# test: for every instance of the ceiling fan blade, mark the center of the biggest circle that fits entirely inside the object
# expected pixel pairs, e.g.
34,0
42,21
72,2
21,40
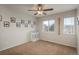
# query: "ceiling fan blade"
32,10
39,5
35,13
48,9
44,13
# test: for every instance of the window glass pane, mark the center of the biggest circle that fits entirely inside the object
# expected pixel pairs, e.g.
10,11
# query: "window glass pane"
51,25
69,25
45,25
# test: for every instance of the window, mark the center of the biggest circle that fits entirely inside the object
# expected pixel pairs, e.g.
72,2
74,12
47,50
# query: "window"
48,25
45,25
51,25
69,25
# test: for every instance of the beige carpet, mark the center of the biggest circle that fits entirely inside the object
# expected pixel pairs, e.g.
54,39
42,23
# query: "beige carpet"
40,48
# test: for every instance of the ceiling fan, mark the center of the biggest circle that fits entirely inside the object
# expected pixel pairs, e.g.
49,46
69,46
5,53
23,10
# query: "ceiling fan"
39,9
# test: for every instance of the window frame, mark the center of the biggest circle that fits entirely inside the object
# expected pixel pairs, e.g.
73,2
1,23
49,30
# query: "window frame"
48,26
43,26
73,29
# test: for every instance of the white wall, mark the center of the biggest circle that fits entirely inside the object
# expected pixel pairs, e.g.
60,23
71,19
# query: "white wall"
13,36
69,40
77,30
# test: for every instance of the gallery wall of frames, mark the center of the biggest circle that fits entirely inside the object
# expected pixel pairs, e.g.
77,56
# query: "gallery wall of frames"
12,19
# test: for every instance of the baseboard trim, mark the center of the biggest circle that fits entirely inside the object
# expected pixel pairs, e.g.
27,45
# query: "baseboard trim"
57,43
13,46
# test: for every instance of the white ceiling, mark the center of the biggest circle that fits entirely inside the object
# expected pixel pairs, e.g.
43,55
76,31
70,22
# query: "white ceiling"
23,8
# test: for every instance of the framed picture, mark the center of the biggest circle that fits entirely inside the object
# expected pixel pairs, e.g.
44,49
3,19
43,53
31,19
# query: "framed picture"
18,24
12,19
78,22
29,21
0,17
6,24
32,26
34,22
22,21
26,25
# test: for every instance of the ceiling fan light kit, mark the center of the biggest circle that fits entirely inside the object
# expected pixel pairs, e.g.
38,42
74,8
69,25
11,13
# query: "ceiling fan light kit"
39,9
